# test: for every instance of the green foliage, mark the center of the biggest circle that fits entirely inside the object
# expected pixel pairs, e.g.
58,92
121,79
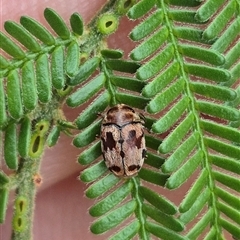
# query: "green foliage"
184,74
4,192
24,137
10,146
171,85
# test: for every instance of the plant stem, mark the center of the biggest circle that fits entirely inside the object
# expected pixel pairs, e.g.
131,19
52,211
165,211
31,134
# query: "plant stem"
94,39
139,212
24,202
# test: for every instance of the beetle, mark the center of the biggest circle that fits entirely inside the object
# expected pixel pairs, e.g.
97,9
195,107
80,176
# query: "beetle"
122,140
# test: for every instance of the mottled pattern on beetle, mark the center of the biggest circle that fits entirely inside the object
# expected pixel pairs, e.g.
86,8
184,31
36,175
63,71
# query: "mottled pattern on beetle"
121,114
123,142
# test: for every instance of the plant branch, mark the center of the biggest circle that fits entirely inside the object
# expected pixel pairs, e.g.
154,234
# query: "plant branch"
192,109
24,202
93,38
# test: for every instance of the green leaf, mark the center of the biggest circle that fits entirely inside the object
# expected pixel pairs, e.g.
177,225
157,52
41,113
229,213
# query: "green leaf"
191,34
128,83
220,21
211,73
140,8
194,192
196,207
111,200
132,100
3,114
86,92
199,227
175,137
232,55
166,220
156,63
103,185
206,55
162,232
14,100
211,234
235,124
150,45
153,177
88,135
222,147
90,154
53,136
147,26
19,33
10,146
66,125
44,85
57,68
227,37
220,130
37,30
91,112
160,101
157,201
3,62
84,71
234,230
187,3
230,212
124,5
168,120
76,22
122,65
236,101
94,172
235,72
24,137
208,9
29,89
227,180
227,197
128,232
149,122
154,160
213,91
57,23
112,53
3,203
183,15
183,173
178,156
221,111
113,218
4,179
161,81
152,142
72,59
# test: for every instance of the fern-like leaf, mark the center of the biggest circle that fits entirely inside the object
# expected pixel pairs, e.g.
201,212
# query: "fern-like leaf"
167,81
39,77
172,86
32,84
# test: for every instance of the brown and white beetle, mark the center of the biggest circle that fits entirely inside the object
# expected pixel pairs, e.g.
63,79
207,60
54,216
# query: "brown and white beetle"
122,140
